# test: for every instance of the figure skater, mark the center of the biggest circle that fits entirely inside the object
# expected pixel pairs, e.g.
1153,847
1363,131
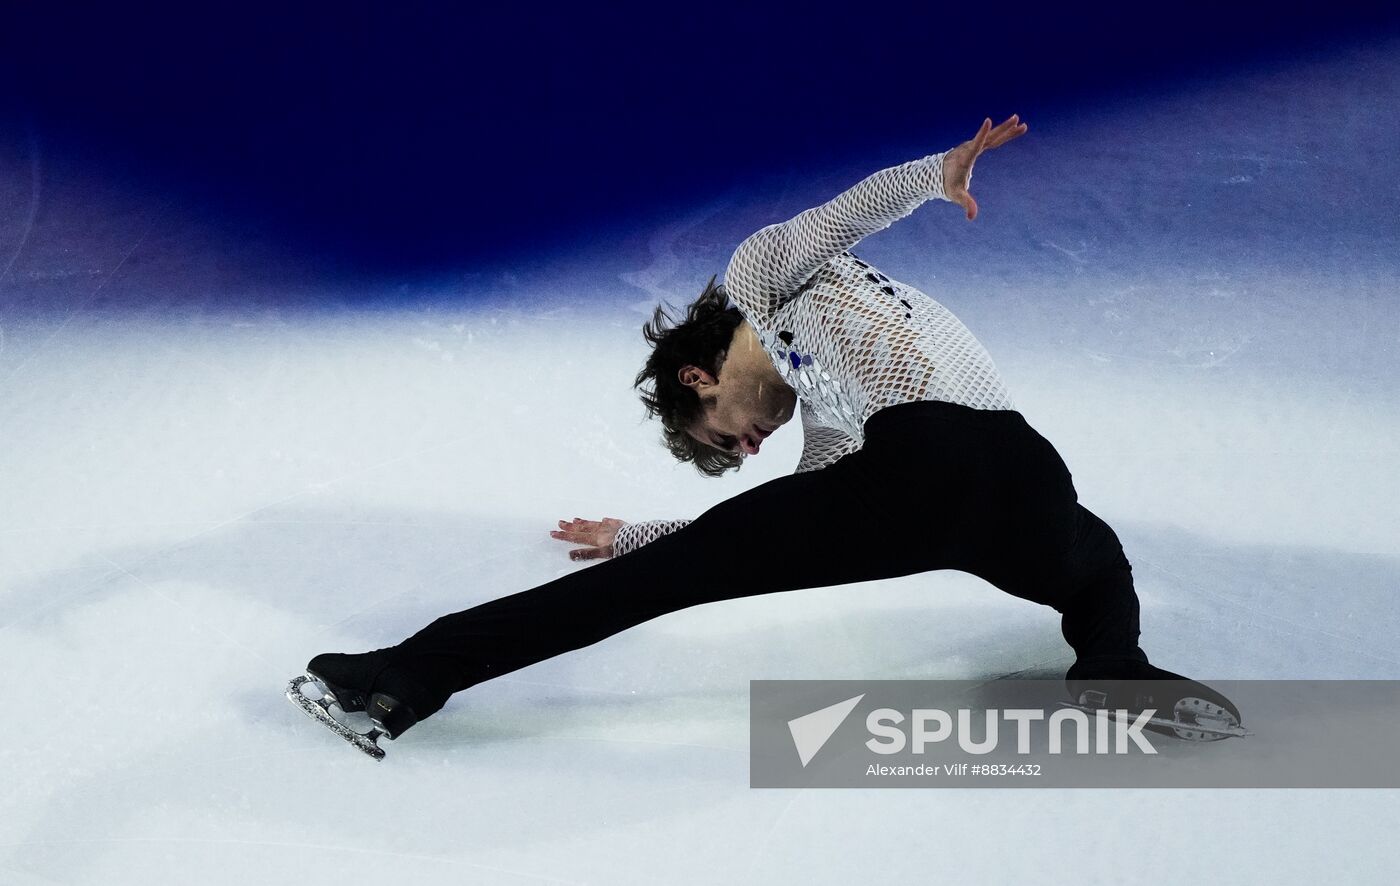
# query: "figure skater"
914,460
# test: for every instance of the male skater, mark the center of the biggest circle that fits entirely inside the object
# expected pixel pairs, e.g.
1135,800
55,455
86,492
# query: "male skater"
913,460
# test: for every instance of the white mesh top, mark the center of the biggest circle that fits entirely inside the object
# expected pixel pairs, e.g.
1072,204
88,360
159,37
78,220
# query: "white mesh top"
849,340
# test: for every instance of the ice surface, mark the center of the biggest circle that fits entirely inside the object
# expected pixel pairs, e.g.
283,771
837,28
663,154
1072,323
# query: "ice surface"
201,491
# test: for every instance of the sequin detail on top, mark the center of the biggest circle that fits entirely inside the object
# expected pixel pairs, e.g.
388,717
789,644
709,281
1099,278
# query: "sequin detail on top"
848,339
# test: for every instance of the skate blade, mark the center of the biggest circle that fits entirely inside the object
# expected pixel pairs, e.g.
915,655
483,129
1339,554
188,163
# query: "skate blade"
319,710
1196,720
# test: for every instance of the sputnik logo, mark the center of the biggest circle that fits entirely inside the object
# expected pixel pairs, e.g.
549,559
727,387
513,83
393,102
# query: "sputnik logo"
811,731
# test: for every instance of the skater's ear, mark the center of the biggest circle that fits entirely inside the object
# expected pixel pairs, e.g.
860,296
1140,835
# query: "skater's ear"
696,378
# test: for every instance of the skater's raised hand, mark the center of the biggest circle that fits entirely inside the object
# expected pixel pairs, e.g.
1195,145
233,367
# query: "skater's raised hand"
597,534
957,163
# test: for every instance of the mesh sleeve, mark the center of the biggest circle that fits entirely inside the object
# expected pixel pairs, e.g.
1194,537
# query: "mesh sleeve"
822,446
634,535
770,266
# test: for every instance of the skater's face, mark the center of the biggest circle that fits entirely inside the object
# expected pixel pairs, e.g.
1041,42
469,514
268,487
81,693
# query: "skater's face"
746,402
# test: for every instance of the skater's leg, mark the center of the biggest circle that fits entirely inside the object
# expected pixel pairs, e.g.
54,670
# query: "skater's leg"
936,486
1069,558
1101,621
1041,544
835,526
1090,584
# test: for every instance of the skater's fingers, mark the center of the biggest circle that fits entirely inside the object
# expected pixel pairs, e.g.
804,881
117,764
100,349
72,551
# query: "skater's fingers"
579,525
1004,133
578,538
961,197
980,138
596,534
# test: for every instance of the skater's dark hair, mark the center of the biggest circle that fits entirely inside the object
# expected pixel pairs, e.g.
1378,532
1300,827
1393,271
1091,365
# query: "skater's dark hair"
701,339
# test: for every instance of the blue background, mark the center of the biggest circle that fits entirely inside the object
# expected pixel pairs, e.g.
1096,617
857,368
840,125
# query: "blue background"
373,141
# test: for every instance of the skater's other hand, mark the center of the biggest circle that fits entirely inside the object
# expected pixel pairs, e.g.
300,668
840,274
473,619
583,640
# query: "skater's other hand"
957,163
597,534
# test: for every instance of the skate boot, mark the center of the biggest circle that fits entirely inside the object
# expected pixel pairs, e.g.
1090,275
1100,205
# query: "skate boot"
1183,708
343,684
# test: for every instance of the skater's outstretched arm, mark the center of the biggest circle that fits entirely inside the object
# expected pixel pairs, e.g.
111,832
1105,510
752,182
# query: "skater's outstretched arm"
611,537
770,266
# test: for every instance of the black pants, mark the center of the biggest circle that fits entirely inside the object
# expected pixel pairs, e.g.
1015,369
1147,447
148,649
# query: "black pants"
936,486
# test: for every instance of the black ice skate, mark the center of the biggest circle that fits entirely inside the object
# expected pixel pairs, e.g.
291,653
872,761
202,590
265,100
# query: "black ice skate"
333,679
1183,708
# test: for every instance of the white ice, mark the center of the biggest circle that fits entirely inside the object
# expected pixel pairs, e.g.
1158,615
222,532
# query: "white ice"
200,492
